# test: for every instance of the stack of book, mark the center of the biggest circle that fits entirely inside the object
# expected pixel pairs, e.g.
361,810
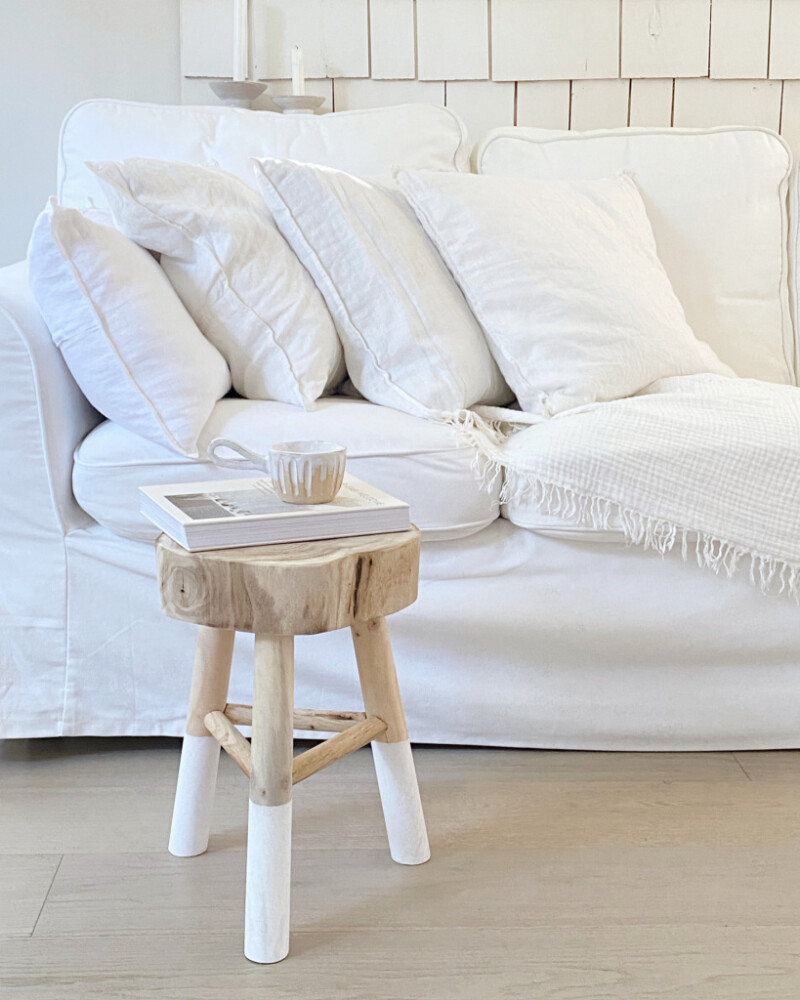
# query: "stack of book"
233,513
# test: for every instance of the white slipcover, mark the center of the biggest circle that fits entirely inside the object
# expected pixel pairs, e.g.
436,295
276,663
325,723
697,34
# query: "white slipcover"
515,639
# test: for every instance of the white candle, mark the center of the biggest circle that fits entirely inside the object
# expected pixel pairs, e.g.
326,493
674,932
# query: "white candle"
240,40
298,79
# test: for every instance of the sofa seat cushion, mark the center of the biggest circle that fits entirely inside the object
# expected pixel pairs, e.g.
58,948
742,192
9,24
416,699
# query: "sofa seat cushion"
524,513
416,460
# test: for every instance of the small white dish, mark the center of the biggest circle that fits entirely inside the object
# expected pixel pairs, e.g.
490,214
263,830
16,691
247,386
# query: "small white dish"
301,471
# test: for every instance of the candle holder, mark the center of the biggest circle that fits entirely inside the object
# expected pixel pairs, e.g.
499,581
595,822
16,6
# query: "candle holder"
293,104
237,93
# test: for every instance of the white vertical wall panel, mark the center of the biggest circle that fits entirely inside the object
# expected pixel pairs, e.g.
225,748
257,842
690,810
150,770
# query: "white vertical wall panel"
665,37
452,39
651,103
332,34
739,39
790,116
351,94
552,63
195,90
206,37
391,32
555,39
544,104
599,104
481,104
784,52
700,103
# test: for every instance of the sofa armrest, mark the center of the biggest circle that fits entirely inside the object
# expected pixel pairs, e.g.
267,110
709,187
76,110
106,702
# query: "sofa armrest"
45,414
43,418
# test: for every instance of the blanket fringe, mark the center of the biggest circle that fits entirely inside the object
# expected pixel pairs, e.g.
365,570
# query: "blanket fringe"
486,435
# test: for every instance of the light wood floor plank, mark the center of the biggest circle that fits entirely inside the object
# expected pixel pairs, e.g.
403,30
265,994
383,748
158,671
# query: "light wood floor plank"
770,765
465,815
153,763
344,890
554,876
575,963
24,883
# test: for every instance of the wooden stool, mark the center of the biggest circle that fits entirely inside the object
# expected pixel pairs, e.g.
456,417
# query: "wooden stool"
277,592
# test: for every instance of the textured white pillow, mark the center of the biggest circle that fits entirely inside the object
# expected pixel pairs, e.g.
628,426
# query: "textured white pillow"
234,271
131,346
565,279
717,201
409,338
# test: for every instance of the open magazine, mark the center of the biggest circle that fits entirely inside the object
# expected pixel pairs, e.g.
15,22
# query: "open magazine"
232,513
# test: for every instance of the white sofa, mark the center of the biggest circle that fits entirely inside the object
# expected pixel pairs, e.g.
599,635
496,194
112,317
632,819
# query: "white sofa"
526,632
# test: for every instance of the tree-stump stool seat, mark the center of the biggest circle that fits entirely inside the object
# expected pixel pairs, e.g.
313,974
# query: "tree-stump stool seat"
278,592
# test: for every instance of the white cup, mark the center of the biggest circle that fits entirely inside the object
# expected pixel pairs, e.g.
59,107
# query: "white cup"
301,471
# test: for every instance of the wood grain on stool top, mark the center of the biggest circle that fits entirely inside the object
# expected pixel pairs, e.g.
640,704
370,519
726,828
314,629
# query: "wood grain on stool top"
297,588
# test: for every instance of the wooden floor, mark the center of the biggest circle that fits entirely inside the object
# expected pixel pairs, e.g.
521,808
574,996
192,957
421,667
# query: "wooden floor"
554,875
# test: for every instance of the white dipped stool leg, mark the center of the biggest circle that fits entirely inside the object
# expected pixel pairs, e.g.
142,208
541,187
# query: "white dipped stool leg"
269,830
194,796
197,775
402,806
268,892
394,764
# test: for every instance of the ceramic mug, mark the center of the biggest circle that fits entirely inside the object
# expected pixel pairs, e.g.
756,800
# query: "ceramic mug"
301,471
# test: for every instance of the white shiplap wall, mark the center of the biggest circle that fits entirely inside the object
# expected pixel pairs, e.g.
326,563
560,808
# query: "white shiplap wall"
553,63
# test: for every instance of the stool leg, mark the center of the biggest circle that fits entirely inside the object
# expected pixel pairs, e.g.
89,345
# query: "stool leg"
394,764
197,775
269,830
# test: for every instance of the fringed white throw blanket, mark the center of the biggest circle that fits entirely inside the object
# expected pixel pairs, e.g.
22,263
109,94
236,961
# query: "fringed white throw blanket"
703,462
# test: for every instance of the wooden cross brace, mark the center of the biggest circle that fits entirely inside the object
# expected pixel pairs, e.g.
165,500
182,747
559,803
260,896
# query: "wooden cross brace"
355,730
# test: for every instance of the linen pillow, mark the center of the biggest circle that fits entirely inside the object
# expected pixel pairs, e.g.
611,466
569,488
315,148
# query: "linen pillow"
234,272
565,279
136,353
410,340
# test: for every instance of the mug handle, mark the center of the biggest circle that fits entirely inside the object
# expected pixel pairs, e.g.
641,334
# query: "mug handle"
249,459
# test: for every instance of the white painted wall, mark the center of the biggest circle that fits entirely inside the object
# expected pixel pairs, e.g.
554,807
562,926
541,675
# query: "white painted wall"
54,53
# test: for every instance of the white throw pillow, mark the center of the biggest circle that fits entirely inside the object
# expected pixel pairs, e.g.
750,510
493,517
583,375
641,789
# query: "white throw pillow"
565,279
717,201
235,273
409,338
131,346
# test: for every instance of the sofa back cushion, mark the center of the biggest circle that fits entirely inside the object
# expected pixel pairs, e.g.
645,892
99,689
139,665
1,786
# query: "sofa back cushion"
717,201
366,143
